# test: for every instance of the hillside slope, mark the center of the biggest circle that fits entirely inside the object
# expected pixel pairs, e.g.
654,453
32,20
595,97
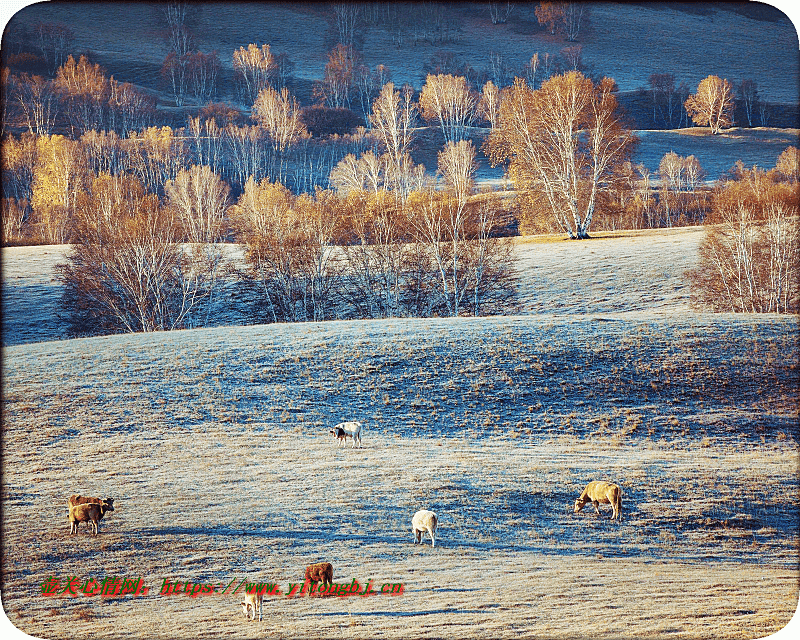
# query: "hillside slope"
627,271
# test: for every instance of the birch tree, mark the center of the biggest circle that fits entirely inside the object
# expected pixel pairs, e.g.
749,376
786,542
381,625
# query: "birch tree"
393,119
199,198
448,100
287,242
38,101
278,113
562,141
490,103
127,270
255,69
712,104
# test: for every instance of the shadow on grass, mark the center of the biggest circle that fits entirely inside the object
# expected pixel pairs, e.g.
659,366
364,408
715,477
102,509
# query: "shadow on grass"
407,614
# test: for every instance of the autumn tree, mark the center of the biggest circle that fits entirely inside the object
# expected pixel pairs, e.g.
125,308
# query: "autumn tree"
255,68
457,237
131,109
13,221
373,228
279,114
203,70
38,102
749,258
367,173
18,163
286,240
247,150
369,83
679,197
207,138
103,152
566,18
712,104
339,79
156,155
59,177
490,103
127,270
175,75
200,198
84,90
788,164
393,119
448,100
563,141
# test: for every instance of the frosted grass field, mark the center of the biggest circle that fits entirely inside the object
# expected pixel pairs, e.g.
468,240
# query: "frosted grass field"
214,444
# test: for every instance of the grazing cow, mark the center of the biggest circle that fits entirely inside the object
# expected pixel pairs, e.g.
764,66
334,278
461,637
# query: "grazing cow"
319,572
345,430
598,491
253,600
422,521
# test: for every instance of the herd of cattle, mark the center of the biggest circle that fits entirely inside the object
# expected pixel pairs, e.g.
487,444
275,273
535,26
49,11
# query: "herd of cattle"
92,510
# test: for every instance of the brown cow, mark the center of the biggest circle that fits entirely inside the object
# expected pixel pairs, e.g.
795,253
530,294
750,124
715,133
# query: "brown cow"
319,572
87,512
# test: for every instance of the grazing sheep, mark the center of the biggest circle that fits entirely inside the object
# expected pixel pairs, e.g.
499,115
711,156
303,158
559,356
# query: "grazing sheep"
598,491
88,512
319,572
422,521
345,430
253,600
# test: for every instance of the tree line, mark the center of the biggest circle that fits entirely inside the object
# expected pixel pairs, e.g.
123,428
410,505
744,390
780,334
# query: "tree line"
290,188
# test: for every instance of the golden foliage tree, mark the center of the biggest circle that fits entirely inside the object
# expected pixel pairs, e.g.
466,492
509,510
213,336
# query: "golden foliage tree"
339,77
287,242
563,142
393,119
200,198
278,113
59,176
712,104
255,68
84,90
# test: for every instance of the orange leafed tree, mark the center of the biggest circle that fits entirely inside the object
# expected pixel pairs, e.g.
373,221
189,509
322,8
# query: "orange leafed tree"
712,105
563,142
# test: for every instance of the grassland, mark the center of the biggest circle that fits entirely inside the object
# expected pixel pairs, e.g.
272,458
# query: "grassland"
214,444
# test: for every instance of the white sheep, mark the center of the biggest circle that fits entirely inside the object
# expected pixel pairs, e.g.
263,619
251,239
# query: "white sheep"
345,430
253,600
422,521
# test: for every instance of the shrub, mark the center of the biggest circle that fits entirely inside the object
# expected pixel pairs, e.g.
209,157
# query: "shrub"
324,121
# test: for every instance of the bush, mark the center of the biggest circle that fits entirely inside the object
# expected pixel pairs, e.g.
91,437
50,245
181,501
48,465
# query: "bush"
324,121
